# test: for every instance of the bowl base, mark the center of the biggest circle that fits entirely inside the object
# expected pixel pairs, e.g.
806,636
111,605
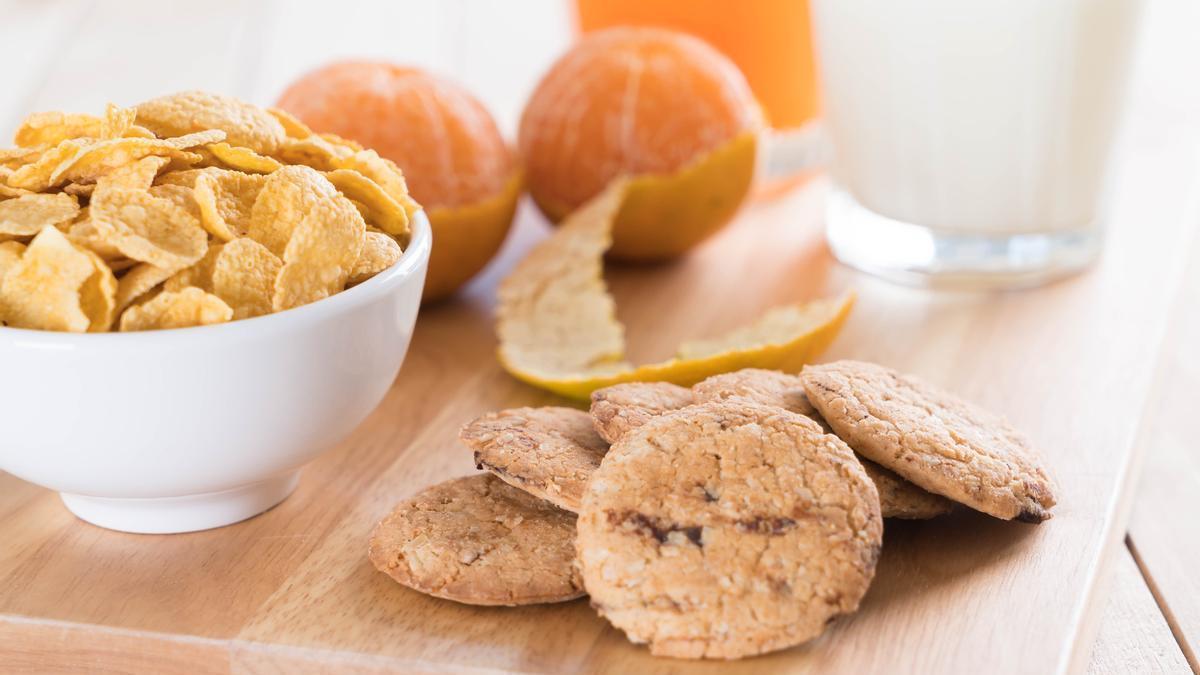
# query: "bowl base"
167,515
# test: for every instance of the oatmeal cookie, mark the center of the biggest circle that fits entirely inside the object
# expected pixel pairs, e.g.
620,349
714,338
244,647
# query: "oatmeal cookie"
621,407
898,498
727,530
548,452
769,387
932,438
479,541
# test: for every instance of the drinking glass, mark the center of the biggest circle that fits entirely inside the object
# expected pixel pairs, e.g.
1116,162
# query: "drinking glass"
971,138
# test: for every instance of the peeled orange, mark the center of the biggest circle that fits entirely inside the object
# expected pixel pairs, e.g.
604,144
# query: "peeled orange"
453,157
661,107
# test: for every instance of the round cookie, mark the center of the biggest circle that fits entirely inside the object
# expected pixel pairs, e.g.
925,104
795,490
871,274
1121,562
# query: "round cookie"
898,498
479,541
730,530
768,387
548,452
621,407
932,438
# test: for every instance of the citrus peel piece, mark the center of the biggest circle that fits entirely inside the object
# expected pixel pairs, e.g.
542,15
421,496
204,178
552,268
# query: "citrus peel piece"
558,330
555,317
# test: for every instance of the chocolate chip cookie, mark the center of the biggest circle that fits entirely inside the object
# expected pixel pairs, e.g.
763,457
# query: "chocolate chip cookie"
727,530
621,407
548,452
932,438
479,541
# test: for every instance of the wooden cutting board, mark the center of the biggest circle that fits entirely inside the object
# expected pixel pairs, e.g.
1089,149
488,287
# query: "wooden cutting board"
292,591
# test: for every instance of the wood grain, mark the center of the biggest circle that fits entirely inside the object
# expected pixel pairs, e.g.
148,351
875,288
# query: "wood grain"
1134,637
291,591
1162,530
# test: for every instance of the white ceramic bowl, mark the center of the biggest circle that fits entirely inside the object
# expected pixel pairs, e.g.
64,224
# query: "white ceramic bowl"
193,428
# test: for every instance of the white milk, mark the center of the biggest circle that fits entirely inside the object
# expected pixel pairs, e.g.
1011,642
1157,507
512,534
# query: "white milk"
975,116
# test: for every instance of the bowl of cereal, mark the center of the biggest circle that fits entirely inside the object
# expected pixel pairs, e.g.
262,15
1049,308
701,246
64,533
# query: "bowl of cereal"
197,298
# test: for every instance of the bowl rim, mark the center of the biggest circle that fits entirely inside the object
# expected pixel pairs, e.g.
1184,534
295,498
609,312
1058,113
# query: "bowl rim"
414,259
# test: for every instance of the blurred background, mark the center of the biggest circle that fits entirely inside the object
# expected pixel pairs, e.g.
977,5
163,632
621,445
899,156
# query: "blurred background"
79,54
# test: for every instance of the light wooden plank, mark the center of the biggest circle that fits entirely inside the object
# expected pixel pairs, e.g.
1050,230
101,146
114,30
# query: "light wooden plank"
54,648
1162,527
1134,636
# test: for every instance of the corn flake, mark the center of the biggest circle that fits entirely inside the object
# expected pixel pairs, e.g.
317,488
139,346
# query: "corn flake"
117,121
10,254
199,275
245,125
313,151
148,228
320,254
286,196
183,309
139,281
98,295
226,199
42,289
184,198
293,127
244,277
384,173
136,176
243,159
384,211
29,214
379,252
52,128
35,175
96,159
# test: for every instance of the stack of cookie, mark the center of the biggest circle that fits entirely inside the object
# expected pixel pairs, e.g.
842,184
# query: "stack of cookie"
734,518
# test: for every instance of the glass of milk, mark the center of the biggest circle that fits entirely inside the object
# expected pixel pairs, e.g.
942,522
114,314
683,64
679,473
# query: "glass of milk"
971,137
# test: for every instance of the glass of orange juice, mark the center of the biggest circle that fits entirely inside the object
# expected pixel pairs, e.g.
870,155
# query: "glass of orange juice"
768,39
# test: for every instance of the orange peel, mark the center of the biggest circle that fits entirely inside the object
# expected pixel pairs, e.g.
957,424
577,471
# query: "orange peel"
558,330
468,238
664,215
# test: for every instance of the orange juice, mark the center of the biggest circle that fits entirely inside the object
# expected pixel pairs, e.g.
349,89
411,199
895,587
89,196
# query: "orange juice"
768,39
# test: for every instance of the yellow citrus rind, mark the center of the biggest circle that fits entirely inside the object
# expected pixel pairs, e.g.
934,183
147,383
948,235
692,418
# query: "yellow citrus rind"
665,215
466,238
818,323
558,329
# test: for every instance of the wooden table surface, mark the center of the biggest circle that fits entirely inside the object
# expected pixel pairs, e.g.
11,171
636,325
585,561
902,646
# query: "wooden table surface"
1101,370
